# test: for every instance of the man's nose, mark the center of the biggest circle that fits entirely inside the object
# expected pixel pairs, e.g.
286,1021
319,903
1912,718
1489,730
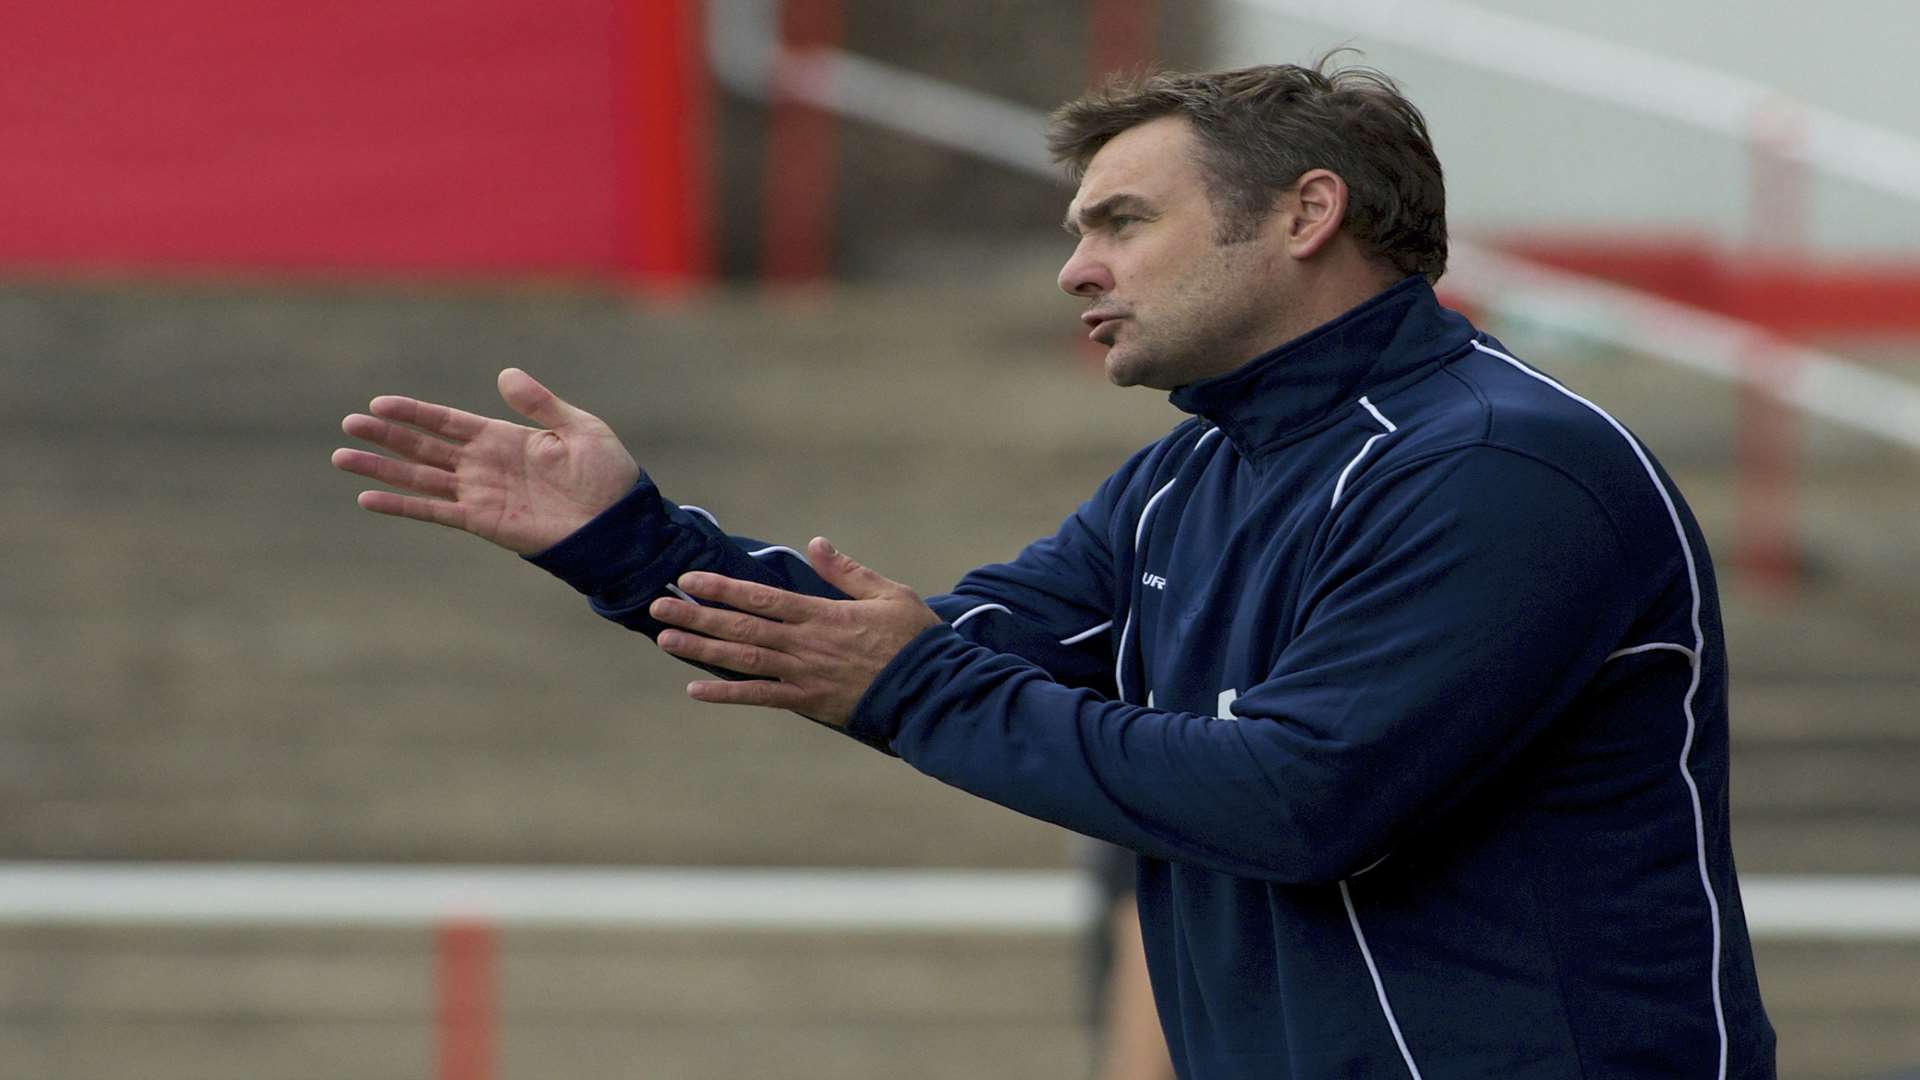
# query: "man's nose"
1084,275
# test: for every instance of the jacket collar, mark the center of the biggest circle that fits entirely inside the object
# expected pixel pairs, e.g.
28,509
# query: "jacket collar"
1291,391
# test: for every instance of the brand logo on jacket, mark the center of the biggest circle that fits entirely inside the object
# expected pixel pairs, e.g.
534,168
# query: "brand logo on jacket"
1153,581
1223,704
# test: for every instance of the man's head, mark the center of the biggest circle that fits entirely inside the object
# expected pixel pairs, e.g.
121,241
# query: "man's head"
1220,214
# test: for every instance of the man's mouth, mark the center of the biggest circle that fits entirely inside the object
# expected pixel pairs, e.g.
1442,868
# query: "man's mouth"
1103,325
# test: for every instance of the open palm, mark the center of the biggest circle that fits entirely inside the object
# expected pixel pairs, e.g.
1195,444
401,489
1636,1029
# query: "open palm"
523,488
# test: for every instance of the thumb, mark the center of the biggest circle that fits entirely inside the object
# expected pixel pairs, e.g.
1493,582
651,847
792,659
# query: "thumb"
530,399
846,575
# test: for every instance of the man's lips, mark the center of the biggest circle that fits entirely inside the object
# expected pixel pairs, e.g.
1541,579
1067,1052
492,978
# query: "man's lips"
1102,325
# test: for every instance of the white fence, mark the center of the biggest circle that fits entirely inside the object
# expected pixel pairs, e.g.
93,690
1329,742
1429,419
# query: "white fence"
822,900
1632,78
748,58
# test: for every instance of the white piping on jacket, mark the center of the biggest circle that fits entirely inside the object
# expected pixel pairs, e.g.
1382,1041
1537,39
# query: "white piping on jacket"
781,549
1650,647
1340,485
1139,532
1384,422
1693,686
1087,633
770,549
971,612
1074,639
1370,866
1379,988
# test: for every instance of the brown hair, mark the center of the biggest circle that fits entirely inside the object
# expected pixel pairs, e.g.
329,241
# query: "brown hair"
1260,128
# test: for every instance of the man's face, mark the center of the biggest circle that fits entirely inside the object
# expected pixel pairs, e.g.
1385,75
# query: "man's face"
1171,305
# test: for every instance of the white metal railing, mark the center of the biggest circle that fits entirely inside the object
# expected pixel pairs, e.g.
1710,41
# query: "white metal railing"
750,61
746,55
676,897
1815,382
1633,78
812,900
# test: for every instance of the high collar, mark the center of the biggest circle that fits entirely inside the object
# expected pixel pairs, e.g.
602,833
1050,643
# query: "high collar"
1288,392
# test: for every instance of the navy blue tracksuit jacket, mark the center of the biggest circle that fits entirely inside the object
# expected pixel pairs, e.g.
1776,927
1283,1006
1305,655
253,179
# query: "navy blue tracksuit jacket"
1400,665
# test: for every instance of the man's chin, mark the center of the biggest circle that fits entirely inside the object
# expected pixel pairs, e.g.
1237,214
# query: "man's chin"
1125,367
1128,368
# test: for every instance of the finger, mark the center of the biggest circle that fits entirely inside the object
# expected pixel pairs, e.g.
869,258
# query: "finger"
456,424
740,626
733,656
846,575
761,692
405,475
404,441
765,600
435,511
530,399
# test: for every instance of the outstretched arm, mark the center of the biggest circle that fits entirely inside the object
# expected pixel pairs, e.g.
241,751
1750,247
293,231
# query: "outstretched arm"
566,495
523,488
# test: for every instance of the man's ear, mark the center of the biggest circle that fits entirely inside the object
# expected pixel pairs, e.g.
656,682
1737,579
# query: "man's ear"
1318,207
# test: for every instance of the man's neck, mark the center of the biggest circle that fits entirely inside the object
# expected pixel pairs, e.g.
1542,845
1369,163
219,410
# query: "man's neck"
1328,296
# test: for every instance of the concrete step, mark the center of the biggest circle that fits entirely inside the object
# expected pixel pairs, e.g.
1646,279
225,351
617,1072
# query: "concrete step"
1864,776
212,660
155,1004
1796,843
160,1003
1842,1009
1865,709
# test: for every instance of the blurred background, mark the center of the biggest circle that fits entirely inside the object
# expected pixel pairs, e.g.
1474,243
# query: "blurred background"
288,790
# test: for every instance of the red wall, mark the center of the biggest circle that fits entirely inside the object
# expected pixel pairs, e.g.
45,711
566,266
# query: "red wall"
488,136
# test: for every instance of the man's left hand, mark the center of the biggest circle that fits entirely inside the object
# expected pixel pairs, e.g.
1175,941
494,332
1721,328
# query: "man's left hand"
809,654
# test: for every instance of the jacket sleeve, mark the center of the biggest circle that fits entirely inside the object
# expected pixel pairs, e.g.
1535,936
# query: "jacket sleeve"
1053,604
1457,606
632,552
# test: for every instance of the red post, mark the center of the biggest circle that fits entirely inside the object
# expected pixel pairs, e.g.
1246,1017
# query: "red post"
664,106
465,987
1120,35
1767,549
799,173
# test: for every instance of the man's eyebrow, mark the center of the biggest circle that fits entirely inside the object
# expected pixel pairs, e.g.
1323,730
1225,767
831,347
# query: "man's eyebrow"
1091,216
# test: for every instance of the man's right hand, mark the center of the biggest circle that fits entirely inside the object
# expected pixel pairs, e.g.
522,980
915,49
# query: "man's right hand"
523,488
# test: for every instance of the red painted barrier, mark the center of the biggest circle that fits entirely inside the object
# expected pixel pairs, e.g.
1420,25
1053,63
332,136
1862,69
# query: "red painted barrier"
1120,36
465,981
664,107
800,172
436,136
1767,437
1797,297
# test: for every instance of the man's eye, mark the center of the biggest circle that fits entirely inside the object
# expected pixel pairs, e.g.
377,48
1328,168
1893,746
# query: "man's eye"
1121,221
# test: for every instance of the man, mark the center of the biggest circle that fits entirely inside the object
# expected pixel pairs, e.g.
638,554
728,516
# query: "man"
1399,663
